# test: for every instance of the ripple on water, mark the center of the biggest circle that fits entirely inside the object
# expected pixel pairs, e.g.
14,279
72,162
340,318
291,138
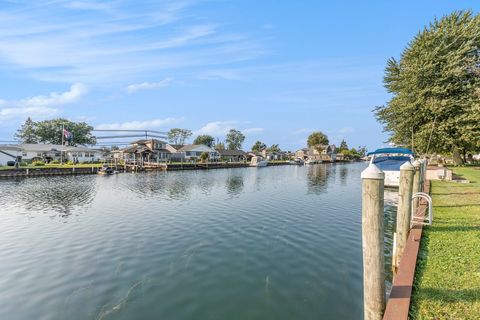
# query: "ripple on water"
277,242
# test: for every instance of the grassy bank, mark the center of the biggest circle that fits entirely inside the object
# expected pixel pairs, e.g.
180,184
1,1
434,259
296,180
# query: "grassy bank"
55,166
447,279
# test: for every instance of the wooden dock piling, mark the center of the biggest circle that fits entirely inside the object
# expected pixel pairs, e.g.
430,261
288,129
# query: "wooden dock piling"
404,210
373,243
416,181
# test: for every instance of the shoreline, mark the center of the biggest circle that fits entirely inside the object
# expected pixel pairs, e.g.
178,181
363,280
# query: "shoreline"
58,171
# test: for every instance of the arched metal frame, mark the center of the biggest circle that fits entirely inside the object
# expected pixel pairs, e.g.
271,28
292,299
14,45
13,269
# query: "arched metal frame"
421,217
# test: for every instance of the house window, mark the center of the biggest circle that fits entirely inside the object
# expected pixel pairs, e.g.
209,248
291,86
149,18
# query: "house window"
39,154
24,154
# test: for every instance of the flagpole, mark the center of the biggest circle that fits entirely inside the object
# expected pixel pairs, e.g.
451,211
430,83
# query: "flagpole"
61,151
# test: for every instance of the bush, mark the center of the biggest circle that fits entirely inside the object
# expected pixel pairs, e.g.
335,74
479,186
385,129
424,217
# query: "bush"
38,163
23,164
70,163
204,156
55,162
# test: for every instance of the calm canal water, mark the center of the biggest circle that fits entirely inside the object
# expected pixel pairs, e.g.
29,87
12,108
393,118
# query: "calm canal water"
268,243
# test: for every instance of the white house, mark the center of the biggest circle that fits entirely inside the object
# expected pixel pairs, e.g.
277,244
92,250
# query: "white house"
8,153
49,152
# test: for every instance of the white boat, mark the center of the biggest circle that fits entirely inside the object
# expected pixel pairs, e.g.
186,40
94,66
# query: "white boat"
258,162
296,161
389,161
311,161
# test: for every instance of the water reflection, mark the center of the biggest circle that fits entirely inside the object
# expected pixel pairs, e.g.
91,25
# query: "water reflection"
58,194
234,185
343,174
317,178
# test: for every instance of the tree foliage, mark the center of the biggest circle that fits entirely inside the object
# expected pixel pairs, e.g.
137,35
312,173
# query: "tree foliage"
343,146
178,135
234,139
204,139
274,148
436,88
220,145
317,139
27,134
50,131
259,146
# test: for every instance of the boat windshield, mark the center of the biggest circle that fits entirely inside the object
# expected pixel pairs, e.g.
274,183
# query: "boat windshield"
390,163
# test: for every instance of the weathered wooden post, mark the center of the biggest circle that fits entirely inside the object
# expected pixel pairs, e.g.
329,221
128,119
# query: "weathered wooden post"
404,209
416,181
373,243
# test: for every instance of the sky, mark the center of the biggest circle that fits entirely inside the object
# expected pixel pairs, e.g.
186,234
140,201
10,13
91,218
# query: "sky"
275,70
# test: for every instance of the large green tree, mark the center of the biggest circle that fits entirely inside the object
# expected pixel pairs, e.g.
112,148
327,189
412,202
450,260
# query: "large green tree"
50,131
259,146
234,139
274,148
27,134
317,139
343,146
204,139
435,86
178,135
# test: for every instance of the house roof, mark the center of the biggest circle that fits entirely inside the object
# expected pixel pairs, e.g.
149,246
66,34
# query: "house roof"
9,147
176,146
47,147
143,141
232,152
197,147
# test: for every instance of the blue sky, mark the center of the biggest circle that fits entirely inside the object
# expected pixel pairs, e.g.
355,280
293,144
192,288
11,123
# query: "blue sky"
276,70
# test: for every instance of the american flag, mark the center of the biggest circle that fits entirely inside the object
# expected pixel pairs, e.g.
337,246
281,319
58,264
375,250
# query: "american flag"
68,135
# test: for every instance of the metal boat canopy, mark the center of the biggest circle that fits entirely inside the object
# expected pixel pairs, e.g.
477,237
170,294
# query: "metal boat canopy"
391,150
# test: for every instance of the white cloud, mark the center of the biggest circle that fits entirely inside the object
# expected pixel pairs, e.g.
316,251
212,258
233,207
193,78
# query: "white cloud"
216,128
139,125
221,128
87,5
148,85
76,91
34,112
41,106
110,42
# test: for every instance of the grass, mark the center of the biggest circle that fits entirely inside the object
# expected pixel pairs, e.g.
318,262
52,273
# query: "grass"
54,166
447,279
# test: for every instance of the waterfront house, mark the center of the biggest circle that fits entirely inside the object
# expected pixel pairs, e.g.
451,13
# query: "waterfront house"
191,152
233,155
145,150
49,152
324,153
9,153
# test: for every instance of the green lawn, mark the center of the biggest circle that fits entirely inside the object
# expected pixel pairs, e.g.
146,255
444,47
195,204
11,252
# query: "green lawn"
447,279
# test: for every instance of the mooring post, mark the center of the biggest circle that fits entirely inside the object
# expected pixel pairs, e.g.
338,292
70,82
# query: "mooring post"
373,243
404,209
417,177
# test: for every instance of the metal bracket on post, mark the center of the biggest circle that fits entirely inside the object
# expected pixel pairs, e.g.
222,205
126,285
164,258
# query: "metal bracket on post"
420,218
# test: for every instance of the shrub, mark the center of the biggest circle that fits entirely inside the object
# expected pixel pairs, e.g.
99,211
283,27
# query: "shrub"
70,163
204,156
23,164
38,163
55,162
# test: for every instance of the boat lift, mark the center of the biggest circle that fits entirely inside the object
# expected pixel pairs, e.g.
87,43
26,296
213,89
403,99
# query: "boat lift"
421,218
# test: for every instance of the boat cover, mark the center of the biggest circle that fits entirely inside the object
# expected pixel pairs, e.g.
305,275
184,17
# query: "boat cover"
391,150
390,163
